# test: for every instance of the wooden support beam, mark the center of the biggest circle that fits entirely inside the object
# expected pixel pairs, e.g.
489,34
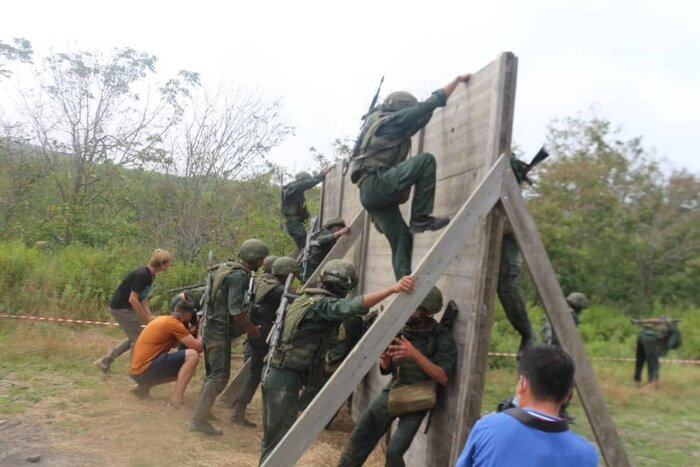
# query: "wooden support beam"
339,250
389,323
559,315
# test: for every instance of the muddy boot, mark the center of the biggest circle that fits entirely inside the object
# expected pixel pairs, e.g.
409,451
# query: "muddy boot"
238,417
200,422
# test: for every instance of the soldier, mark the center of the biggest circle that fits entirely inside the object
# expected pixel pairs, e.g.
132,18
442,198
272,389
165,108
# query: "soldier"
267,266
655,339
225,318
294,206
385,175
424,351
269,290
578,302
320,245
308,327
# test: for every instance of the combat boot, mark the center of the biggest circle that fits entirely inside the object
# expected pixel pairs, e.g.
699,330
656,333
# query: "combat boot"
238,417
202,411
424,223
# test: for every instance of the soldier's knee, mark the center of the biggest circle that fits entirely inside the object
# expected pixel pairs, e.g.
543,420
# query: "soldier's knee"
428,159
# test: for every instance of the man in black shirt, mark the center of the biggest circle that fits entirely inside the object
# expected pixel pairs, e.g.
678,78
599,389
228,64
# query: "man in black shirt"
129,304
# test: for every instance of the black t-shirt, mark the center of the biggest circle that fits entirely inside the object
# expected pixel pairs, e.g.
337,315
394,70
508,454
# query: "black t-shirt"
139,280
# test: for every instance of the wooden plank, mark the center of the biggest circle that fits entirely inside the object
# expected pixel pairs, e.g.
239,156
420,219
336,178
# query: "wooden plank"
559,315
342,246
235,387
366,352
478,333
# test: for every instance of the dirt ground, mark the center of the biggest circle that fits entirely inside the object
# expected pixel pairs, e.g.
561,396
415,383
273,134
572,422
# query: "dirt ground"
99,422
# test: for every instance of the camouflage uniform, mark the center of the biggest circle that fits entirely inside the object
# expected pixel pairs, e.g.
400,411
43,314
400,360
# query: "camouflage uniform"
309,325
294,208
654,341
321,244
385,175
435,341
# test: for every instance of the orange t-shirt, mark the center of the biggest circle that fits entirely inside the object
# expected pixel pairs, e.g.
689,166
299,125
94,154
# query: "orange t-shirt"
160,335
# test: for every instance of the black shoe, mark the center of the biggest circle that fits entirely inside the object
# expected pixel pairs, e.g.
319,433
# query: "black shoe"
204,427
428,223
239,419
526,342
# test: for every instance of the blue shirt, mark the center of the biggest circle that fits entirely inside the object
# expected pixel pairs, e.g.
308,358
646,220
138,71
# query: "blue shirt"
499,440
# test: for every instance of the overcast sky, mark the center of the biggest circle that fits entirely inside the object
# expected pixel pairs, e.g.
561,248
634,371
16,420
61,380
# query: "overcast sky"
637,62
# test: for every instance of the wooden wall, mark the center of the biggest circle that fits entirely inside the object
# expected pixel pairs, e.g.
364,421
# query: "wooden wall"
466,137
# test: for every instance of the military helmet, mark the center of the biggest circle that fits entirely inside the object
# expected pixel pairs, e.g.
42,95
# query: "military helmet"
252,250
267,264
334,222
577,300
284,266
432,303
303,175
398,100
340,274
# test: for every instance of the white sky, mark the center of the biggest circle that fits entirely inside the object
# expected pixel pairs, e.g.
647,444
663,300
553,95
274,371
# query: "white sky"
636,61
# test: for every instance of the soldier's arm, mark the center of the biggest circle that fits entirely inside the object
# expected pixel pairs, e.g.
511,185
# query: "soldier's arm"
238,284
402,348
406,284
452,85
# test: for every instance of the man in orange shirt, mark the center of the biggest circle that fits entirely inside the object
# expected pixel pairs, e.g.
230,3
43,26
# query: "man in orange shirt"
152,363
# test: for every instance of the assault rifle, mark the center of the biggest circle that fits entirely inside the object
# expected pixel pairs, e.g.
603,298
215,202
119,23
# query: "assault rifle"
185,288
655,321
206,296
365,119
313,230
521,168
276,332
249,300
447,321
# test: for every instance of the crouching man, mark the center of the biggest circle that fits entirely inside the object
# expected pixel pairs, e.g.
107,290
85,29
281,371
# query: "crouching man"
152,363
422,356
532,433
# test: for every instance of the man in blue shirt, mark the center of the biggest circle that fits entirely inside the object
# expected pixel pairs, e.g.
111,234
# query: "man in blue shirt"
533,435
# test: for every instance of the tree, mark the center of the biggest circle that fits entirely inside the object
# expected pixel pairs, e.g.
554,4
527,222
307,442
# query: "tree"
21,51
612,222
89,113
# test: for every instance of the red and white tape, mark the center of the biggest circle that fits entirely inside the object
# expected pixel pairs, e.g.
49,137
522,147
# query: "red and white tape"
491,354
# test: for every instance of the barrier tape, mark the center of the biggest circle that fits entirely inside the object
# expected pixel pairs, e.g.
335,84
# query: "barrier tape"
490,354
611,359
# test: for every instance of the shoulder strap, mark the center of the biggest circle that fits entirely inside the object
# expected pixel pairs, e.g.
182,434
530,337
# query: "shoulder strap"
529,420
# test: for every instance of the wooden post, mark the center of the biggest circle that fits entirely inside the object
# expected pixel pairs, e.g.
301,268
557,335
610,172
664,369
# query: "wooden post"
559,315
389,323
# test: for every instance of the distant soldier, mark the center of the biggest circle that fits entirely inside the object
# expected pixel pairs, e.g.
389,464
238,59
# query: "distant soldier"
578,302
320,245
512,265
309,326
424,355
385,174
129,304
225,318
294,208
268,294
655,339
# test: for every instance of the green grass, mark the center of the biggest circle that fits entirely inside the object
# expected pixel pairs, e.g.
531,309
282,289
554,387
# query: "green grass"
48,367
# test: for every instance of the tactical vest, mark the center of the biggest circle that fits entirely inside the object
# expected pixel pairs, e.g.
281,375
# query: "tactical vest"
219,301
378,152
407,371
294,207
264,313
300,349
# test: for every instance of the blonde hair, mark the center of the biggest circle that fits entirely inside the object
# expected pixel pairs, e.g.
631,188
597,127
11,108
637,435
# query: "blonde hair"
159,258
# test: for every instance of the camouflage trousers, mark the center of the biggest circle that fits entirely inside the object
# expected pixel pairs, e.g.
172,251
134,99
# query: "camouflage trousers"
296,230
255,350
382,192
374,423
217,362
508,274
647,352
280,406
